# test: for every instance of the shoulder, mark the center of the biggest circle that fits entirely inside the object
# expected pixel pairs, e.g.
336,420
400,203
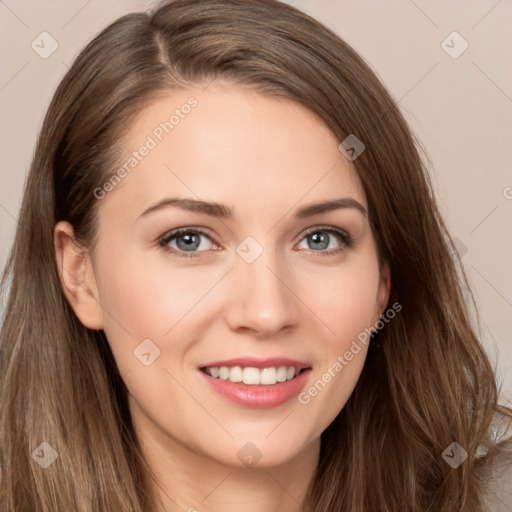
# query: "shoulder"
494,470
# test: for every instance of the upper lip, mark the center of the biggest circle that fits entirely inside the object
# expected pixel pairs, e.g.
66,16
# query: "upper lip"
258,363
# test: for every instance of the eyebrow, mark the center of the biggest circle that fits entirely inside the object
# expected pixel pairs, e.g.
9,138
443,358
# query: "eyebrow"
223,212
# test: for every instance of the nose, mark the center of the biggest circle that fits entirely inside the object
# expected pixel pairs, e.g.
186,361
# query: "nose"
262,302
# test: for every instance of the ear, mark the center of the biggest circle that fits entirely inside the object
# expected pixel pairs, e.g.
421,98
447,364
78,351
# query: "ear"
77,277
384,290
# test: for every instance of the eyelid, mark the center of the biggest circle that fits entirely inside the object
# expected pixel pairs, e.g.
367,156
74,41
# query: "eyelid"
320,227
187,229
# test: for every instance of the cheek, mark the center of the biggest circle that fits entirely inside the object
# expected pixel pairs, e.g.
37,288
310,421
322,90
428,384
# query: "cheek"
343,299
154,301
344,303
151,300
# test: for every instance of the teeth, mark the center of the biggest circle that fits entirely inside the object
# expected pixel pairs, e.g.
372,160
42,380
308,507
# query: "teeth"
268,376
235,374
253,376
281,374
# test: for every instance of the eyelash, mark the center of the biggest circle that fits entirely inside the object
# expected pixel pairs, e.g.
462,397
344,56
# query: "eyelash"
347,240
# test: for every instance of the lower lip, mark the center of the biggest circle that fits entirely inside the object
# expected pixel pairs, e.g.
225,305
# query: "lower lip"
262,397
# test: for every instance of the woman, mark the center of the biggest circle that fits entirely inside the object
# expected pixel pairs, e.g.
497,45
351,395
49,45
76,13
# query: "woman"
231,286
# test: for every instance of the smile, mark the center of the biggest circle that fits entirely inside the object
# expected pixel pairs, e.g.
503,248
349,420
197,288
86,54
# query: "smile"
252,376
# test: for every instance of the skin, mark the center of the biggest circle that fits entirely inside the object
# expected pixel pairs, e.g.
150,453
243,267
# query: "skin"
264,158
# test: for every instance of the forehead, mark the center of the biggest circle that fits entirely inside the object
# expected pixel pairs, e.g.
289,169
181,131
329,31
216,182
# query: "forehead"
232,145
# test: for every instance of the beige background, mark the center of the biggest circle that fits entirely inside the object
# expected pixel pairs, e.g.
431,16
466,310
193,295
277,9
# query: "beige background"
460,108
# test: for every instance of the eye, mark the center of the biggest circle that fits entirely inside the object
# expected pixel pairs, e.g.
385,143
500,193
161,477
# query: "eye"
186,240
318,239
191,242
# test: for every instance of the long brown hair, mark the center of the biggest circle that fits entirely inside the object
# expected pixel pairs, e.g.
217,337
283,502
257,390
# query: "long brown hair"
426,384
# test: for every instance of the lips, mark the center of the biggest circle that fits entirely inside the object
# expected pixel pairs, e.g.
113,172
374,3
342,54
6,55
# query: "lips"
266,382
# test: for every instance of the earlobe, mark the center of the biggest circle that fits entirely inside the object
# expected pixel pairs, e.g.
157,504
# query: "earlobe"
77,277
384,288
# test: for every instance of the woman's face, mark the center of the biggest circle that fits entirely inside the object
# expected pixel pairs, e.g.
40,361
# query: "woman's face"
244,279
